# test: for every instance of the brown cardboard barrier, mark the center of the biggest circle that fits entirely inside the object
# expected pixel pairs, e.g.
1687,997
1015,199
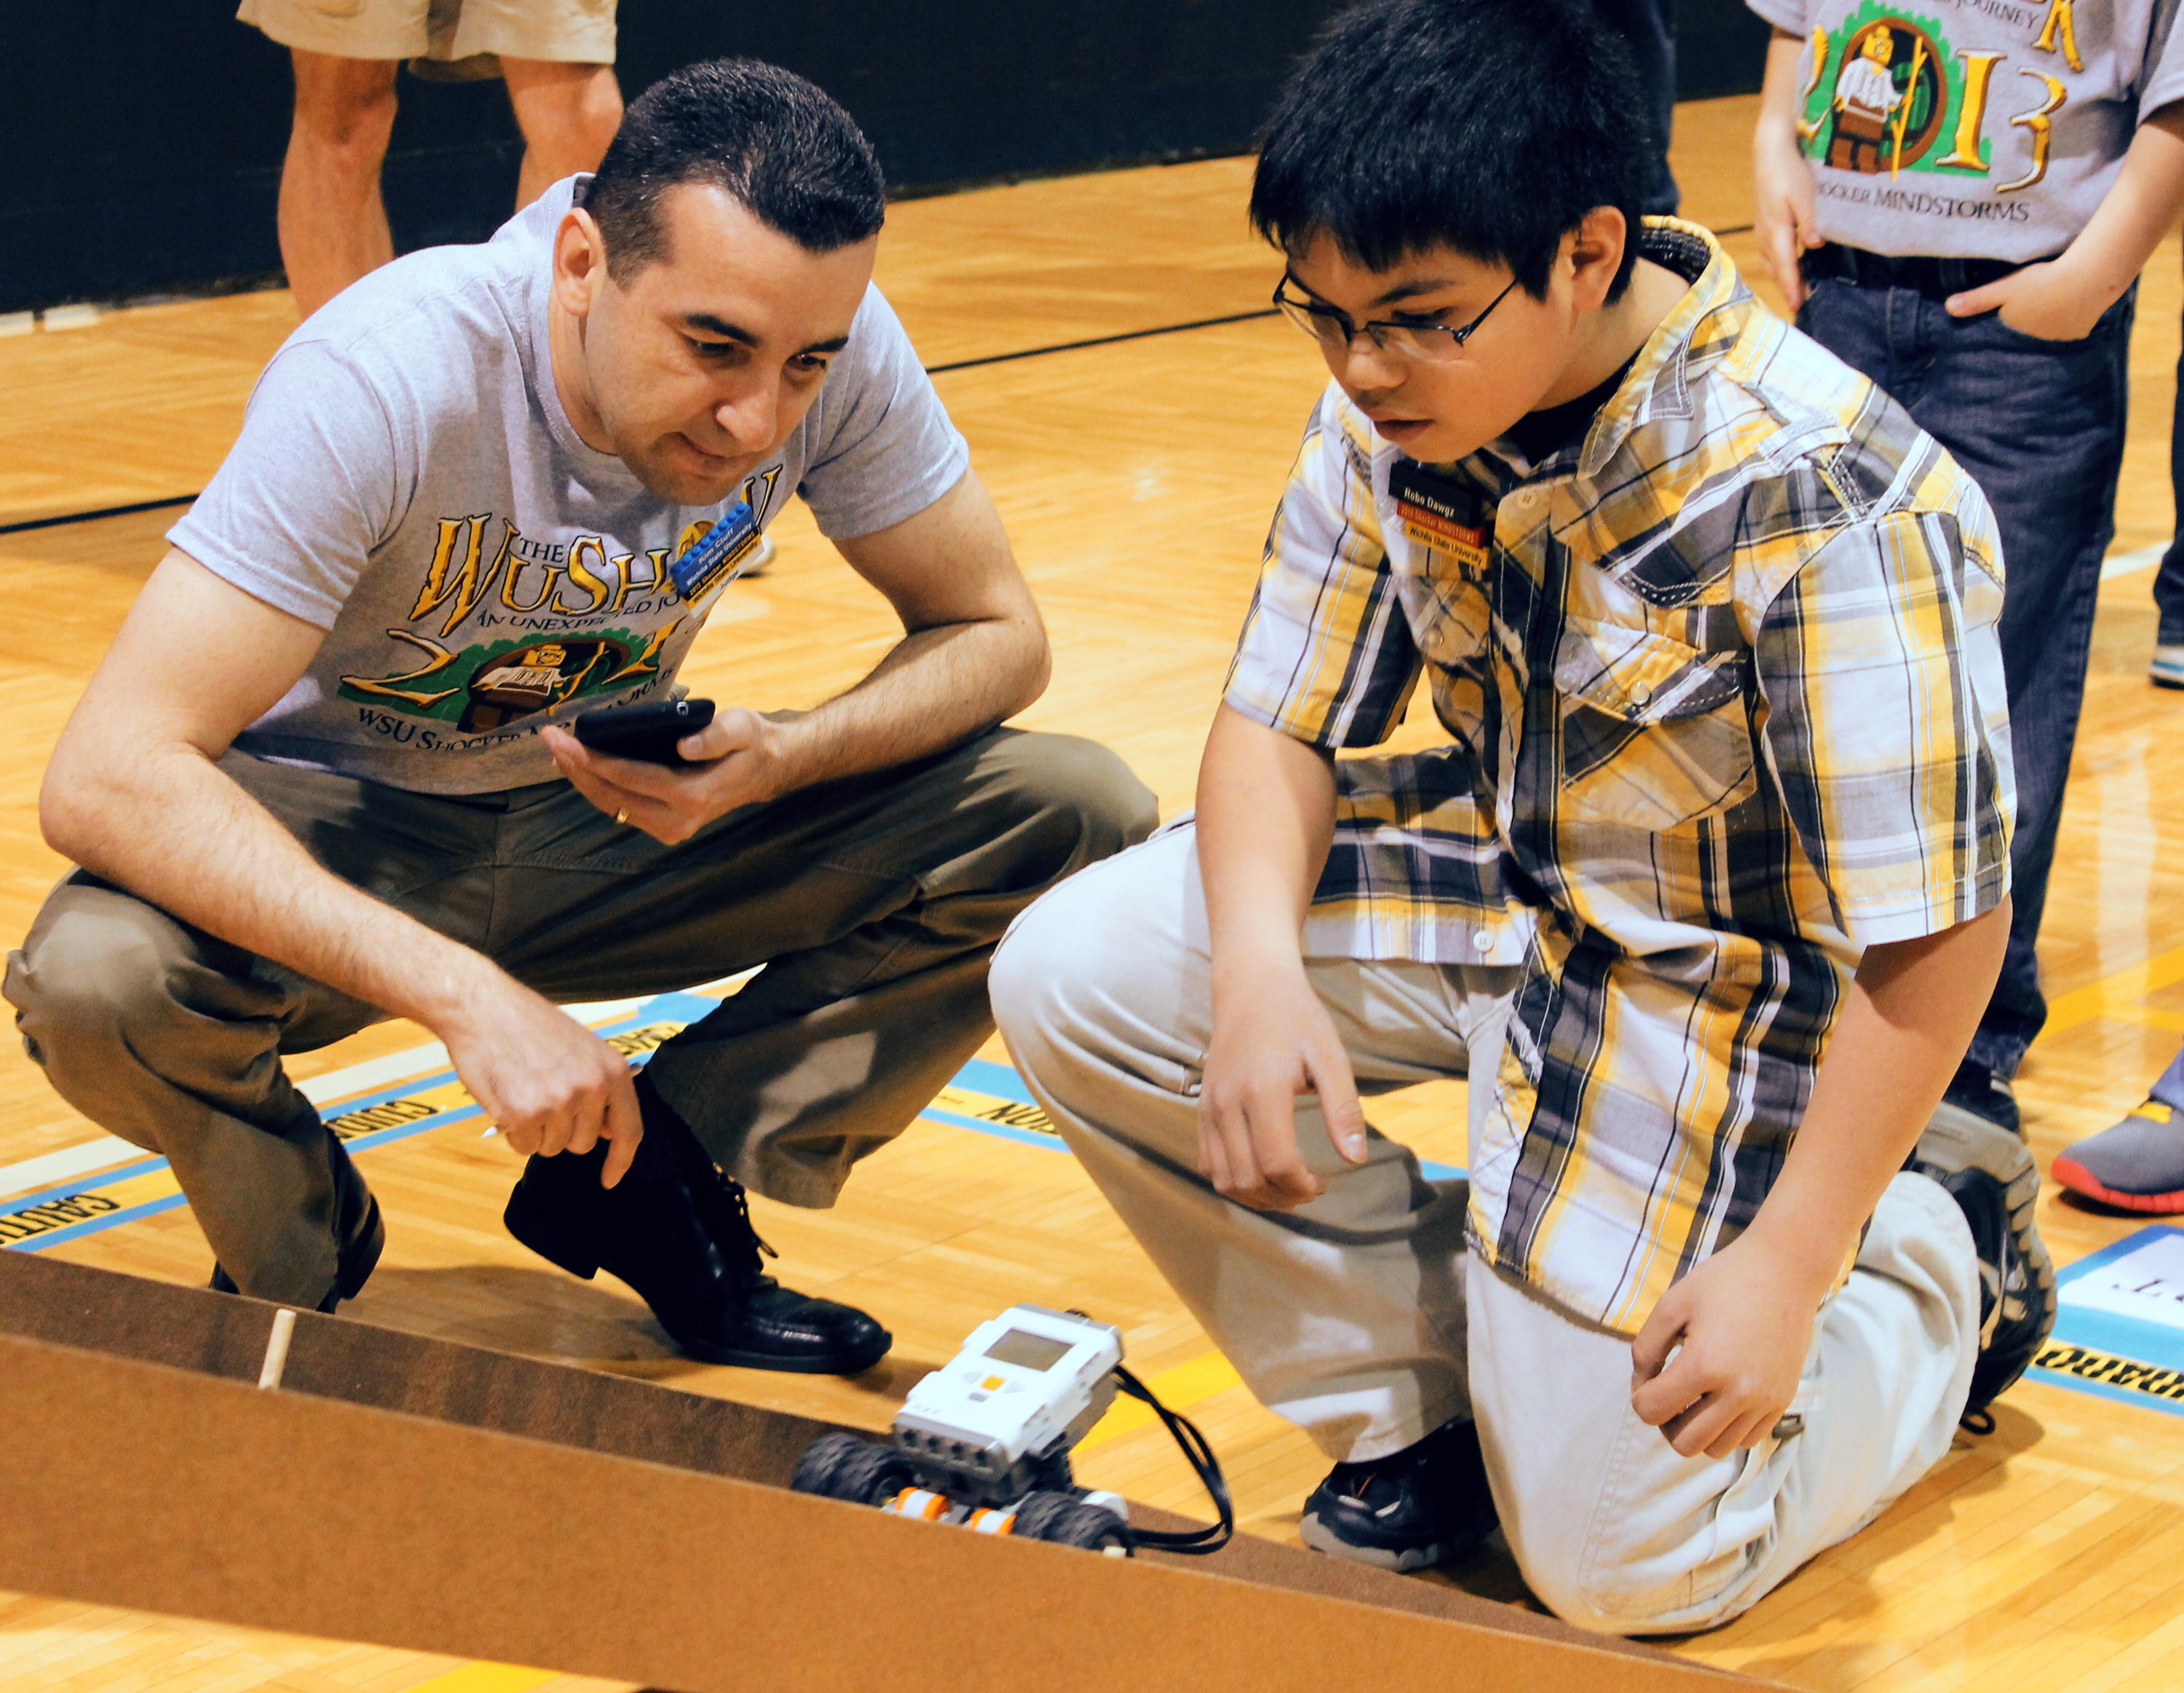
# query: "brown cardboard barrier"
418,1494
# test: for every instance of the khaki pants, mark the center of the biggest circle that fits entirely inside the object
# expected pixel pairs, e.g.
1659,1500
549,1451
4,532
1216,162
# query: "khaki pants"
565,32
873,905
1362,1318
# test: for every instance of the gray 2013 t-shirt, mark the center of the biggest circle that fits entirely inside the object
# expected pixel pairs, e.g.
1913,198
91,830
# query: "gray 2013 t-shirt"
406,479
1973,129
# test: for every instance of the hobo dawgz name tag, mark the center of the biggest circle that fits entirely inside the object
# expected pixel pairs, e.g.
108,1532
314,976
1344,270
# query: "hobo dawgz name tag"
1445,516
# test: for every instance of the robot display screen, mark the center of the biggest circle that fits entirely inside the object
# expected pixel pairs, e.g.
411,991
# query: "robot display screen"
1032,1351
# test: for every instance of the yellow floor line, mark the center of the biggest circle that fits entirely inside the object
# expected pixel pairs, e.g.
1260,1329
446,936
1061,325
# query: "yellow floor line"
2111,993
1178,1388
2147,1016
487,1678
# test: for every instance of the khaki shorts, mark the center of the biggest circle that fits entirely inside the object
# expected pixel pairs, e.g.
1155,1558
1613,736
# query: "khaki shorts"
572,31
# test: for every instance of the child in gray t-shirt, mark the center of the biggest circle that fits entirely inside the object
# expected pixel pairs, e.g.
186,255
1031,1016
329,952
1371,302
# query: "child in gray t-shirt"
1959,203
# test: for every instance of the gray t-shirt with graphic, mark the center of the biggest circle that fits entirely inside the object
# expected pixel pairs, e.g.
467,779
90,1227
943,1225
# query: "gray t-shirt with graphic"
1973,129
407,479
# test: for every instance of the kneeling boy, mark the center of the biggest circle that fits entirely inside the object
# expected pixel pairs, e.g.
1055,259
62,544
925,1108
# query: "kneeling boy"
1705,890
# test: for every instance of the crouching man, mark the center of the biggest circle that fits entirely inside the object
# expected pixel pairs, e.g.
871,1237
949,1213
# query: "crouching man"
323,776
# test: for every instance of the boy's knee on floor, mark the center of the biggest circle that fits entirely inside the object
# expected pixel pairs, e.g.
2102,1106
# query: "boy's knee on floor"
1638,1569
1625,1599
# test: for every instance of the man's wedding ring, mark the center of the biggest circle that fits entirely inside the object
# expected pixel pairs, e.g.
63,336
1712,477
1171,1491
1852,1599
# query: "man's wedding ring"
622,816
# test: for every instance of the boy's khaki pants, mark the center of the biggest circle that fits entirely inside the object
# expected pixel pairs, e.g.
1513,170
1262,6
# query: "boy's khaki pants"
1362,1318
873,903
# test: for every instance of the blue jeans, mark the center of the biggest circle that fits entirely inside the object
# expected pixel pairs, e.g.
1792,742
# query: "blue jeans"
2169,584
2039,424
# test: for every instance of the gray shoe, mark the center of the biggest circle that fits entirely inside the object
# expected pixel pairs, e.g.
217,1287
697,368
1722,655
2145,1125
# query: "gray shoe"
2167,670
2138,1165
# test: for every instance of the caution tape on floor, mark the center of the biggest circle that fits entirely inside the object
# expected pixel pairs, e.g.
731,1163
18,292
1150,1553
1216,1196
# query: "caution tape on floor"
2086,1364
55,1213
990,1108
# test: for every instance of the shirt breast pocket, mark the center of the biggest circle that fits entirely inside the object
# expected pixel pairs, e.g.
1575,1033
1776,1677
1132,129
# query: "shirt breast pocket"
1654,733
1445,604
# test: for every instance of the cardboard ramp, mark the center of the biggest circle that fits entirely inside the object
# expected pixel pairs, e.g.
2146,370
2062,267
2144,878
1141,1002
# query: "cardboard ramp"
415,1493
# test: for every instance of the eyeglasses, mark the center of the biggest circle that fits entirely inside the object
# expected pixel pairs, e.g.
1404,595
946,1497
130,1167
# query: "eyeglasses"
1430,343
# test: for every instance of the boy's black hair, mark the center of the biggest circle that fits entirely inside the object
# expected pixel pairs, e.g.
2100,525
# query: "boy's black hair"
787,152
1491,126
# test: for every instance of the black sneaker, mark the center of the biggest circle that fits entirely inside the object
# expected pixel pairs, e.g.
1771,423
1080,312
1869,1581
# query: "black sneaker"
1981,1091
679,1233
1992,1176
1425,1504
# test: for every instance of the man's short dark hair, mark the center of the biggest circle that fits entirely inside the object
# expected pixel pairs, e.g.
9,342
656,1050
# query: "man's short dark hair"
795,160
1491,126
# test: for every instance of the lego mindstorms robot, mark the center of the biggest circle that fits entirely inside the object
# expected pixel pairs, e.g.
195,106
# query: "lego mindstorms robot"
985,1441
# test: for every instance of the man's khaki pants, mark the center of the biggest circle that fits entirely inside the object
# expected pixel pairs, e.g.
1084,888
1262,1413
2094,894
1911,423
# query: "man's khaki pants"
873,905
1362,1318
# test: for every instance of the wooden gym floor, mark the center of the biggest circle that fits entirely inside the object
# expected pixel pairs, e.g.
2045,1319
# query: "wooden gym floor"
1137,477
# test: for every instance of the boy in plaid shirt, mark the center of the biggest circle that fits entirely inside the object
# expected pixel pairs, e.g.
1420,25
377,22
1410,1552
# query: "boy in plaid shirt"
1704,891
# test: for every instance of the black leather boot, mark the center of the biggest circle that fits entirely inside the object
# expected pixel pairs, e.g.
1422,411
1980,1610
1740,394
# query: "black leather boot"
359,1234
679,1233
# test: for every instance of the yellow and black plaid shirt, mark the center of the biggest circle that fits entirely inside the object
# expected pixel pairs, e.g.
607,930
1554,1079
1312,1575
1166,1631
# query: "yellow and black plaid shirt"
1725,706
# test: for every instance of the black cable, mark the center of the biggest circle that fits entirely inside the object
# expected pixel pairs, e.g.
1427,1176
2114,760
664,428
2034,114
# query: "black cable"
1099,341
1198,1453
930,371
88,516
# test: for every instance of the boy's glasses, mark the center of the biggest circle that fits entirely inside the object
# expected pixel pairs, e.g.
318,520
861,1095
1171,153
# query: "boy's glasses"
1430,343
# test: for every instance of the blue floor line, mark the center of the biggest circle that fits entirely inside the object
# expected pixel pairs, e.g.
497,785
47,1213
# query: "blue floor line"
979,1075
97,1225
982,1075
1053,1143
89,1178
1000,1130
92,1180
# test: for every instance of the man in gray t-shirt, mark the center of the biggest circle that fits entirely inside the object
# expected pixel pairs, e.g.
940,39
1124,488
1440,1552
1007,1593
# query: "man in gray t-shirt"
325,775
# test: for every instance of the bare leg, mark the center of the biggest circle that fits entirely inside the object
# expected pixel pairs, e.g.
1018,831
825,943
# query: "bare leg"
568,114
333,224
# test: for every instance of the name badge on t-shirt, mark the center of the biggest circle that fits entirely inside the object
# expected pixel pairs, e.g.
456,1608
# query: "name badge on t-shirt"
1445,516
717,555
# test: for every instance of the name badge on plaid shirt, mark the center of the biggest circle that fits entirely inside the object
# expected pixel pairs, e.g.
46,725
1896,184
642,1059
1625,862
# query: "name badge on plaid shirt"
1448,516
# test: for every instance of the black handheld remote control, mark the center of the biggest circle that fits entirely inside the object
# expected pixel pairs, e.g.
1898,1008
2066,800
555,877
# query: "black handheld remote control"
647,731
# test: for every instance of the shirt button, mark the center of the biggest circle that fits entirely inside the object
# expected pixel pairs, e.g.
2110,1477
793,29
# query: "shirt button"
1483,940
1641,693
